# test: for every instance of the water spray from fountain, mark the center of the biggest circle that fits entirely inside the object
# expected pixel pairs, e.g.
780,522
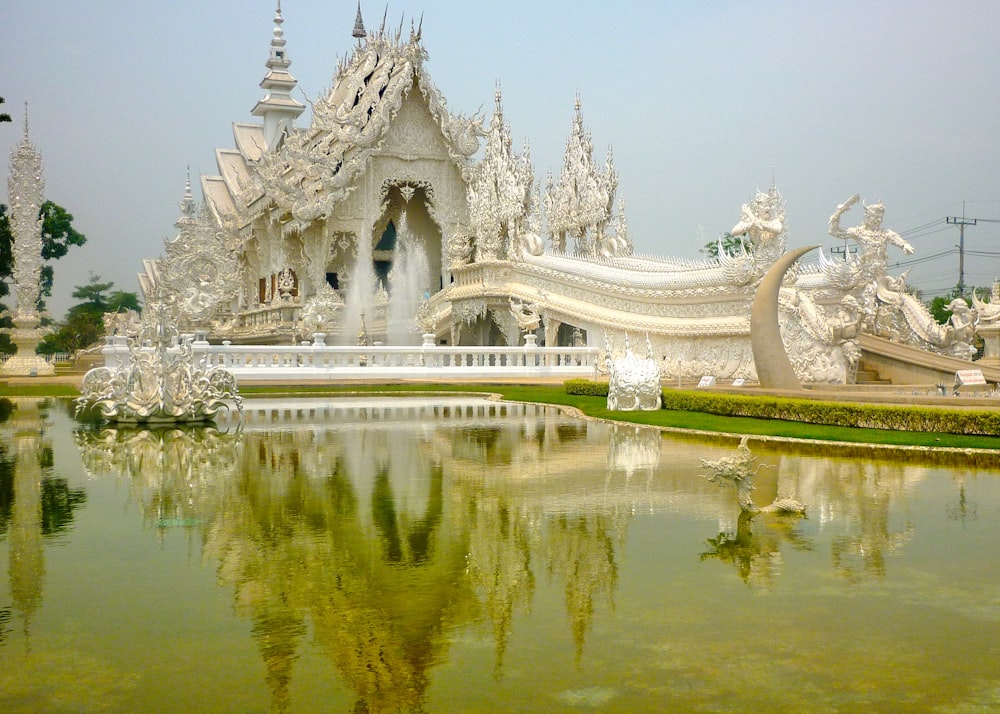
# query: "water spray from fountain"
410,281
359,303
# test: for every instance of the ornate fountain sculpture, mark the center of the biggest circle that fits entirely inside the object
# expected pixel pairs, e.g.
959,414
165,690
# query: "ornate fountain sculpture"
634,382
27,189
160,382
738,470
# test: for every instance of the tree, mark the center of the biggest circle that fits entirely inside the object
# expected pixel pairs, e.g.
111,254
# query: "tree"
4,116
730,243
84,323
92,294
58,235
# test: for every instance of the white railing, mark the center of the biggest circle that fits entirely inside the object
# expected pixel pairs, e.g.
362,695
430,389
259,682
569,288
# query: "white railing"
56,358
383,362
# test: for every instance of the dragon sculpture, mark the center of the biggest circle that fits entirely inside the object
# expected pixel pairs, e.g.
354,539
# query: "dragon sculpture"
738,470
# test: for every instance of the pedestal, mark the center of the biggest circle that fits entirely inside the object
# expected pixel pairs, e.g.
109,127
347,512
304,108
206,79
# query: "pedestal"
990,332
25,363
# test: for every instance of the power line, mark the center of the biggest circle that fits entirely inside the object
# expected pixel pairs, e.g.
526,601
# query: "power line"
912,231
962,223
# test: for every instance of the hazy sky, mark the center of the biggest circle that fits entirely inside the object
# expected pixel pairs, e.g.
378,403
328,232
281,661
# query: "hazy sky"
703,101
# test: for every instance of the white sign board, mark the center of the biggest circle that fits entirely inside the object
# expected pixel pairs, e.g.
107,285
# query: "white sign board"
965,377
739,382
707,381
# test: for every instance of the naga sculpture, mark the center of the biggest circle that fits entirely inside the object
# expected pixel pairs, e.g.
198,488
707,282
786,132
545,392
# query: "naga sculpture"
738,470
904,318
988,312
320,312
634,382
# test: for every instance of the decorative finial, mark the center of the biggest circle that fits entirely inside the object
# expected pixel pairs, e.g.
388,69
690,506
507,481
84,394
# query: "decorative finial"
359,25
278,20
25,120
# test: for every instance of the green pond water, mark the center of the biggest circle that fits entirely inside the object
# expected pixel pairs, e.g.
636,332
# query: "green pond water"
459,555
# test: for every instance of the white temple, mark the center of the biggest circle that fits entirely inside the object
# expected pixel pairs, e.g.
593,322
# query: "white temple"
390,216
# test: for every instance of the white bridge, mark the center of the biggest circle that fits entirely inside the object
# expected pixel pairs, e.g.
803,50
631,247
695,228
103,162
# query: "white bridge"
313,362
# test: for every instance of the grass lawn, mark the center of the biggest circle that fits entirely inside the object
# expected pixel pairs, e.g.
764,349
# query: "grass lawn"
596,406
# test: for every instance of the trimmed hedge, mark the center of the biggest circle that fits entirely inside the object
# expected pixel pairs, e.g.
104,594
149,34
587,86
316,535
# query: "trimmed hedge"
586,387
872,416
973,422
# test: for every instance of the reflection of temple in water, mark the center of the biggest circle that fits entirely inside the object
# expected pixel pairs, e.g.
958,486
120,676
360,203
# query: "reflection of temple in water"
376,529
857,495
852,498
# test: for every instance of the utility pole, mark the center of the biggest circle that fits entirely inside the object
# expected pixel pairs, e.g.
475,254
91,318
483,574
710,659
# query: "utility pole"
961,223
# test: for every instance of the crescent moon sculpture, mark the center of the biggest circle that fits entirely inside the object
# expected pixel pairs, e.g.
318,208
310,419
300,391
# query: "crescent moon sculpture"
774,369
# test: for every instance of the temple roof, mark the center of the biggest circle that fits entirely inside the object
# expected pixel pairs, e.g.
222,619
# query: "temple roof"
316,168
249,140
219,199
236,173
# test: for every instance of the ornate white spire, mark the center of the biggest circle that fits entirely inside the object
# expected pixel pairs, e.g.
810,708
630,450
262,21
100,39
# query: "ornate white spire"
27,193
579,205
189,209
359,25
499,192
278,108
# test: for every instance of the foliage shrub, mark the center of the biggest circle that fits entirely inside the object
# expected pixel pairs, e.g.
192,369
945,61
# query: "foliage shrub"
873,416
586,387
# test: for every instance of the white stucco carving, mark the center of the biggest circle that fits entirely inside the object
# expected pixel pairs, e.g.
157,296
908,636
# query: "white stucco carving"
26,189
311,229
988,312
633,382
903,318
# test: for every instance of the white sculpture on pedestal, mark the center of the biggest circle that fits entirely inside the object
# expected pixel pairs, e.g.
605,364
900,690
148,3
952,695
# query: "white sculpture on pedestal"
329,222
159,383
989,324
634,382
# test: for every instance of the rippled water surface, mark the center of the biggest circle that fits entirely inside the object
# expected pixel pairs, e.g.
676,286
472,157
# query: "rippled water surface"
456,555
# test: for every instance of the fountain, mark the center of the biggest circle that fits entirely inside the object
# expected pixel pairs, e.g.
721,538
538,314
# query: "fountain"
27,189
360,297
410,284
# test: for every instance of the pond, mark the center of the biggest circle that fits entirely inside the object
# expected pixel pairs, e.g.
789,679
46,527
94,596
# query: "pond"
463,555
